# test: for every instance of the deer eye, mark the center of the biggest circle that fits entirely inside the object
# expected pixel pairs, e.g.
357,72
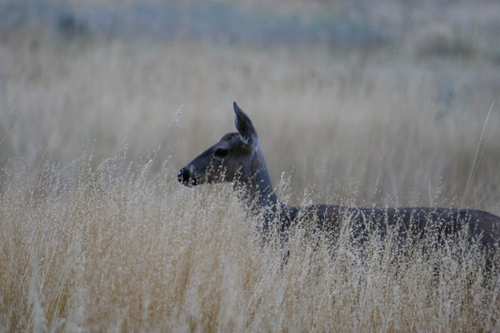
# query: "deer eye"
221,152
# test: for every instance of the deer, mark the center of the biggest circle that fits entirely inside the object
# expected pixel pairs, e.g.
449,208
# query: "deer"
237,158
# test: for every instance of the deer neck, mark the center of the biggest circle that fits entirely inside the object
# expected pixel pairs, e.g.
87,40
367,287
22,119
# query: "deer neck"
256,190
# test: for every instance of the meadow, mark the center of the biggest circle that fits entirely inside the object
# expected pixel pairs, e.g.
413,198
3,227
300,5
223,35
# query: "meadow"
98,235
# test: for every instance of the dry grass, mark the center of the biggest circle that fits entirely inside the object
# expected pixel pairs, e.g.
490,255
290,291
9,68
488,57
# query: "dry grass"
97,235
383,124
114,251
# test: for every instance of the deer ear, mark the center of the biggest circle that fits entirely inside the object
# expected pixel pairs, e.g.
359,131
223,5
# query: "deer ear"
244,126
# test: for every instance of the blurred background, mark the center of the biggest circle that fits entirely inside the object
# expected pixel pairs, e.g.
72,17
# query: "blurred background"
382,102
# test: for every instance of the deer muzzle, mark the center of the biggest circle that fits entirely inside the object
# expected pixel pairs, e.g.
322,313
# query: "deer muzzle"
185,177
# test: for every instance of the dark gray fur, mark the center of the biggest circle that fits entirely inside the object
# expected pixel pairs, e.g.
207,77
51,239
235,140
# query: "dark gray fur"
237,158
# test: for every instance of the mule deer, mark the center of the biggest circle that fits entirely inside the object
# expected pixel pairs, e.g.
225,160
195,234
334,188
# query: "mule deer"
237,158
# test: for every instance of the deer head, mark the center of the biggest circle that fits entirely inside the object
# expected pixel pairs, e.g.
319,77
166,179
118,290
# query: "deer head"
236,157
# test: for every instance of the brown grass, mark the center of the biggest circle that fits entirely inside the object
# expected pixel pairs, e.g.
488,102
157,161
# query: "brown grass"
114,251
97,234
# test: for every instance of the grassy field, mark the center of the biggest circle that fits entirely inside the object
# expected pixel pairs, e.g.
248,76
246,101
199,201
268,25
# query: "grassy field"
98,235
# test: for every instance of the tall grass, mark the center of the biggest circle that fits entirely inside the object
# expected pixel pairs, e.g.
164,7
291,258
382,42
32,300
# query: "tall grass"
384,124
112,250
96,233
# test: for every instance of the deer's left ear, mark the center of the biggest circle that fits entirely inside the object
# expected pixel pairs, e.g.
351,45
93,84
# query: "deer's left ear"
245,127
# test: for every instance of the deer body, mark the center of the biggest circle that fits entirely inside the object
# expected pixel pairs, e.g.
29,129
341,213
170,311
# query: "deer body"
237,158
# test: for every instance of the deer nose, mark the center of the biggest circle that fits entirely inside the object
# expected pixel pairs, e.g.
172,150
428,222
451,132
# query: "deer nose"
184,177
